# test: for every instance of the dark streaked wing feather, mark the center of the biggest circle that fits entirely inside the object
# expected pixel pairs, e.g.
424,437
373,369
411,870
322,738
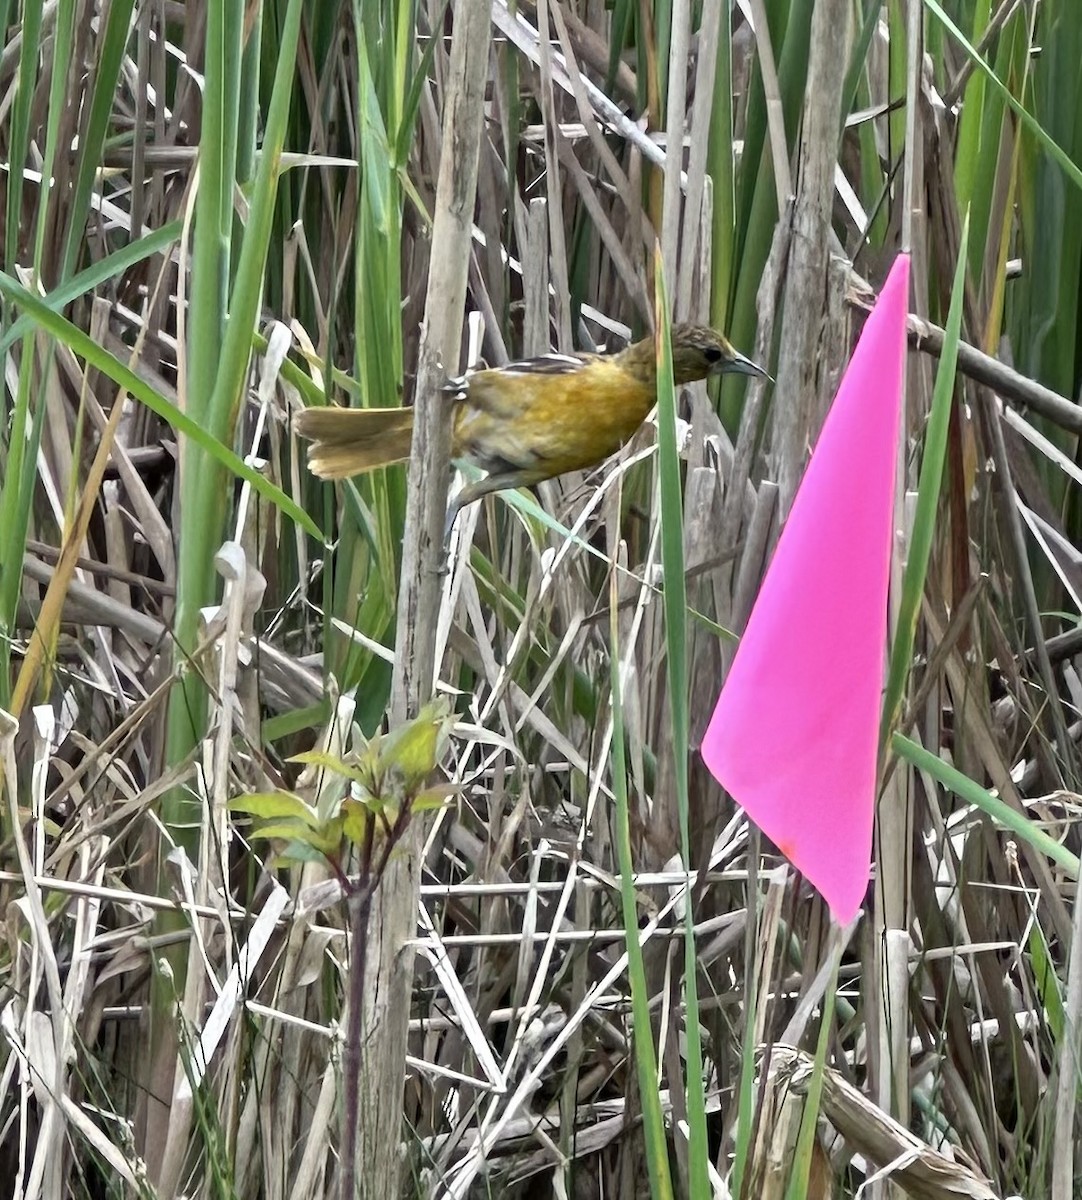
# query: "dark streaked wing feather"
543,364
549,364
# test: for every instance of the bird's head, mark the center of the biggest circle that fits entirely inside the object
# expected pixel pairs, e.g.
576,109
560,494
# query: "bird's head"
699,351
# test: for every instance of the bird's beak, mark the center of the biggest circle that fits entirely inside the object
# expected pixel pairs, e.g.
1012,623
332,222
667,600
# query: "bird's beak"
737,364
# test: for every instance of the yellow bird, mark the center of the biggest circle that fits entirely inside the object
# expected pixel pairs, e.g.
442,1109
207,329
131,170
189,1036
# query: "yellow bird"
528,421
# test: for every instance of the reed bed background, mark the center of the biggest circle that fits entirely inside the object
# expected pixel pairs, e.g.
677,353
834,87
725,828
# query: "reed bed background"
214,213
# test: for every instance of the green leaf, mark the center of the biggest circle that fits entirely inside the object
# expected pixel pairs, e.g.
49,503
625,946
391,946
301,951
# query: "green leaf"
356,821
326,838
434,798
275,805
413,751
299,852
296,720
328,762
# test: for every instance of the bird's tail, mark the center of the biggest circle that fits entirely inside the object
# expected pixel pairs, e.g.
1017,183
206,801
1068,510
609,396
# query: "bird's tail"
349,441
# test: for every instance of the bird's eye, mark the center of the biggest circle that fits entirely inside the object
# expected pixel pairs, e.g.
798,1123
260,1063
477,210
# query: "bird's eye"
711,353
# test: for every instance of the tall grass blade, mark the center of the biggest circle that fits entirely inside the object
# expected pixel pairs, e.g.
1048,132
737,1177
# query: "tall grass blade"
204,489
672,561
653,1121
928,494
1070,168
86,348
999,810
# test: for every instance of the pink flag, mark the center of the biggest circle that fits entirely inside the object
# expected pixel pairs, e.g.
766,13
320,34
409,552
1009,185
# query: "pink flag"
795,734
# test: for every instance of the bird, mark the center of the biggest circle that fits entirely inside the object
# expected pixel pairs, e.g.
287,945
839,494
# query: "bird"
527,421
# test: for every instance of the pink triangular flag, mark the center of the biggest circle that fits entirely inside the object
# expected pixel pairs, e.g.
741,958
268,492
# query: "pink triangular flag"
794,737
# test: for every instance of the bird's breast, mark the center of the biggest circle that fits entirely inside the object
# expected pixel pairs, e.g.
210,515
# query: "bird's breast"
558,423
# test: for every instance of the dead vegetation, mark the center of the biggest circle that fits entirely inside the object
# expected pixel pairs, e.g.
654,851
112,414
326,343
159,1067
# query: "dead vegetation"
172,1000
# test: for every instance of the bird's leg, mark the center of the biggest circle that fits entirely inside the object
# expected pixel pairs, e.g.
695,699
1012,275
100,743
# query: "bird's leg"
484,487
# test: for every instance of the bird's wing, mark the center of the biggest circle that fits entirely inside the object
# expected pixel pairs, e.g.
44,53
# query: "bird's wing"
549,364
543,364
504,391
